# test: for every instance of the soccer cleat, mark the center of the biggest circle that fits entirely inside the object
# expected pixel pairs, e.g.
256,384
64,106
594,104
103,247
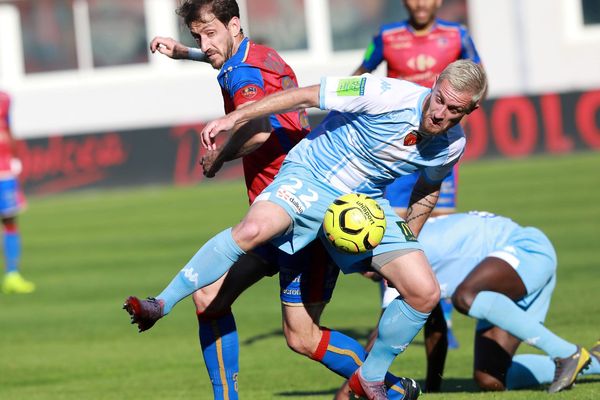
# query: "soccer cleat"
370,390
595,351
14,283
568,368
144,313
410,389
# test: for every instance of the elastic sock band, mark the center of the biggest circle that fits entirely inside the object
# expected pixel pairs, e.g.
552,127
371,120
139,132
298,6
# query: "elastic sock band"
323,344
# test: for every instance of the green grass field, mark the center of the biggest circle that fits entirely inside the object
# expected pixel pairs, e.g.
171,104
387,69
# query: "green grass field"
87,251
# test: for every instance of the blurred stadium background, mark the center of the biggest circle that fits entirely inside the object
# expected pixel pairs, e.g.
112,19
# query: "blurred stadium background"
93,110
92,106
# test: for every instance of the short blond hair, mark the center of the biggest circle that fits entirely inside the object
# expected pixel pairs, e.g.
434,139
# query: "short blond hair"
465,75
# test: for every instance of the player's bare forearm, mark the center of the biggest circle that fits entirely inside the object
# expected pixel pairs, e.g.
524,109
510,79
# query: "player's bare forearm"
249,137
276,103
423,199
436,348
175,50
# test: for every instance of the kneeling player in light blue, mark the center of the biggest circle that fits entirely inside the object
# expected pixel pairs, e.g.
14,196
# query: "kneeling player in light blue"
380,129
503,275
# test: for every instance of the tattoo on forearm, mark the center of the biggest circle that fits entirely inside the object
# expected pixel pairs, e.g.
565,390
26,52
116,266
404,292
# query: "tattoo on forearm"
426,201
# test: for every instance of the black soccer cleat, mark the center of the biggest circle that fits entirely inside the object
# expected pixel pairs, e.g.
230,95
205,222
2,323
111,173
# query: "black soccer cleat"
144,313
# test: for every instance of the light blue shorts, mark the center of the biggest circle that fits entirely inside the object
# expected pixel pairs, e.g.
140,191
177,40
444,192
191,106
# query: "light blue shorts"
398,192
305,199
532,255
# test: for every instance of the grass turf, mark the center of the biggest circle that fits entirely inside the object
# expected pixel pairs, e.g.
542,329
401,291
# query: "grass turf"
87,251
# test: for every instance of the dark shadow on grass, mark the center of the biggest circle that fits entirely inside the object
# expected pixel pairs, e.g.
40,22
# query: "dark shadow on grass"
587,379
263,336
454,385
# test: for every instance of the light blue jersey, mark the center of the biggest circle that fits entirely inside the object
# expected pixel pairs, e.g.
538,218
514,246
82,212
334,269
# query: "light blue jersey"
371,137
455,244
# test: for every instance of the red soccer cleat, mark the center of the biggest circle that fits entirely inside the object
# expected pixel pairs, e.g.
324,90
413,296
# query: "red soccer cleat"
144,313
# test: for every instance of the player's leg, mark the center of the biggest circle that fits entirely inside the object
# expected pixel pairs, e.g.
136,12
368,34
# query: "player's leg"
216,324
529,370
307,282
494,349
307,279
490,291
11,201
411,274
263,221
290,201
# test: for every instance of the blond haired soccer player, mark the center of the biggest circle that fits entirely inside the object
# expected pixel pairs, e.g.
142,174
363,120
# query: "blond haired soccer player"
378,129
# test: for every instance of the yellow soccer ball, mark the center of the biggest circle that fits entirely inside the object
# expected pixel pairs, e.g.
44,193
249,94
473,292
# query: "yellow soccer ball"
354,223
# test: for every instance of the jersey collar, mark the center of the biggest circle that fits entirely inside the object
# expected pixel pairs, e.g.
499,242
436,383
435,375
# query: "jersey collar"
239,56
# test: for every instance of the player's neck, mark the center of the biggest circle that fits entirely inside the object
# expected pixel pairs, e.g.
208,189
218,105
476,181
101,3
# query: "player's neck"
237,40
420,30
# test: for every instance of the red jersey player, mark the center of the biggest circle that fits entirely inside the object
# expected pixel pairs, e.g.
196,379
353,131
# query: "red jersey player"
417,50
11,202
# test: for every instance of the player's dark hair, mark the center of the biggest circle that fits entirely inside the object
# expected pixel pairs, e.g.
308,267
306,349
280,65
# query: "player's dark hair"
223,10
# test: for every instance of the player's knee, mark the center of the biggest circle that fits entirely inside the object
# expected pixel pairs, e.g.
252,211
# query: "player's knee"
487,382
207,302
463,298
426,298
250,233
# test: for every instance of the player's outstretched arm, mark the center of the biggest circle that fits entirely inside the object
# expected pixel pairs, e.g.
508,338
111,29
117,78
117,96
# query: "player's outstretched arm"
276,103
423,199
175,50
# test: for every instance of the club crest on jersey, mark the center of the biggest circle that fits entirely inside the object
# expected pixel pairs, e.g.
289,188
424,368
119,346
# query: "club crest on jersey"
249,92
411,139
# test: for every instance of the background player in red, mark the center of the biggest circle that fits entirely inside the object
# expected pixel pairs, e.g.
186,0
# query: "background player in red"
12,201
417,50
248,72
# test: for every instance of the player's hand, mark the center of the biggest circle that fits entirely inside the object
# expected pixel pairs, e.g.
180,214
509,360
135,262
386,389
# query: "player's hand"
213,129
169,47
372,275
16,167
211,164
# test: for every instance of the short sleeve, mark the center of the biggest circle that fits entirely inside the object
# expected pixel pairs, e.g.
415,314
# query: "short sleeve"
373,54
366,94
245,84
438,173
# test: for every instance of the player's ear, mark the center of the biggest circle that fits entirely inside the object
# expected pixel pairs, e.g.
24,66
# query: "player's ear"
234,26
475,107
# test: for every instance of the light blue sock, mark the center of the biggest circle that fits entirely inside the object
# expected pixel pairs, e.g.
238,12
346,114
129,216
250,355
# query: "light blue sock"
12,250
398,326
501,311
529,370
208,264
